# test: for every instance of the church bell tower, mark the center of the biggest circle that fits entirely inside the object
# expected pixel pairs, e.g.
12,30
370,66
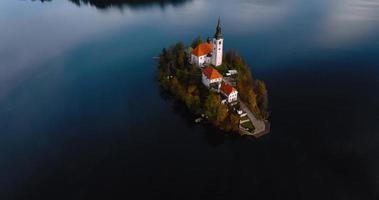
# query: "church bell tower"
218,42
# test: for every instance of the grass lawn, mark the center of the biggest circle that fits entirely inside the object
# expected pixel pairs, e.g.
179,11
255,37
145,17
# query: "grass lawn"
222,69
249,126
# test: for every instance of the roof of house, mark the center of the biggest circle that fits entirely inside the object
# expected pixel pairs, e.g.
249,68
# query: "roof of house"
202,49
211,73
226,88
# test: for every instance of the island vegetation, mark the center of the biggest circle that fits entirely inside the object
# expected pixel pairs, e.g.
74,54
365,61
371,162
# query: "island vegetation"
182,81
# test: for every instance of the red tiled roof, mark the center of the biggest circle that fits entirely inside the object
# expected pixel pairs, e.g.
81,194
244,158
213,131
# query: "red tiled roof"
202,49
211,73
226,88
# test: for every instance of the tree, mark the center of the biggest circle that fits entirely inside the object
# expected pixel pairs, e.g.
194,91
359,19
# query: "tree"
231,122
222,113
180,54
211,105
262,100
196,42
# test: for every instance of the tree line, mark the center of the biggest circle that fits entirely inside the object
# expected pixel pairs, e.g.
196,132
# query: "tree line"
252,91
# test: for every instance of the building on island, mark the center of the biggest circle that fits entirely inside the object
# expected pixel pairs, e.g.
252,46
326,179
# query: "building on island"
229,92
210,52
211,78
202,54
209,55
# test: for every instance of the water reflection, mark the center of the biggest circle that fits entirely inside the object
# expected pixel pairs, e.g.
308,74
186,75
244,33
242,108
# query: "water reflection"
104,4
348,21
101,4
42,0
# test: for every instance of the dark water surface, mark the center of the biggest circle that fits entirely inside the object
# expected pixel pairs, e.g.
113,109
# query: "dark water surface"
81,115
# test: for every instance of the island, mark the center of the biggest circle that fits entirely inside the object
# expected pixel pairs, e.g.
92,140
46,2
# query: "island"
218,88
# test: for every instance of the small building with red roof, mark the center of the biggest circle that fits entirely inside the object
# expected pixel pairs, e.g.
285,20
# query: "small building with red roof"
210,52
211,78
202,54
229,92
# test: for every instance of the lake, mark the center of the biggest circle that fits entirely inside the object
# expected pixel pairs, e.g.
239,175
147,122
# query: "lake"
82,116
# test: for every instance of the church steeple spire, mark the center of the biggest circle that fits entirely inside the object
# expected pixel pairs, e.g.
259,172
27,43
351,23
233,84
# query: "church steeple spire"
218,34
218,42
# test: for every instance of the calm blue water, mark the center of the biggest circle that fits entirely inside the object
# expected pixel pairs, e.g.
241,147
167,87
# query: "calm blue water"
82,117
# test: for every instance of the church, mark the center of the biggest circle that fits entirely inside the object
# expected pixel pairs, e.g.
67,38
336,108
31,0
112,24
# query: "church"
207,56
209,52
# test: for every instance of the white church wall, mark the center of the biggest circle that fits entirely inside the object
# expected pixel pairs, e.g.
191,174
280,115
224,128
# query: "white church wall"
205,80
217,51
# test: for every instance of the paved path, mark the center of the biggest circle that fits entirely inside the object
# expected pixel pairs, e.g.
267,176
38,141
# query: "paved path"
259,125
